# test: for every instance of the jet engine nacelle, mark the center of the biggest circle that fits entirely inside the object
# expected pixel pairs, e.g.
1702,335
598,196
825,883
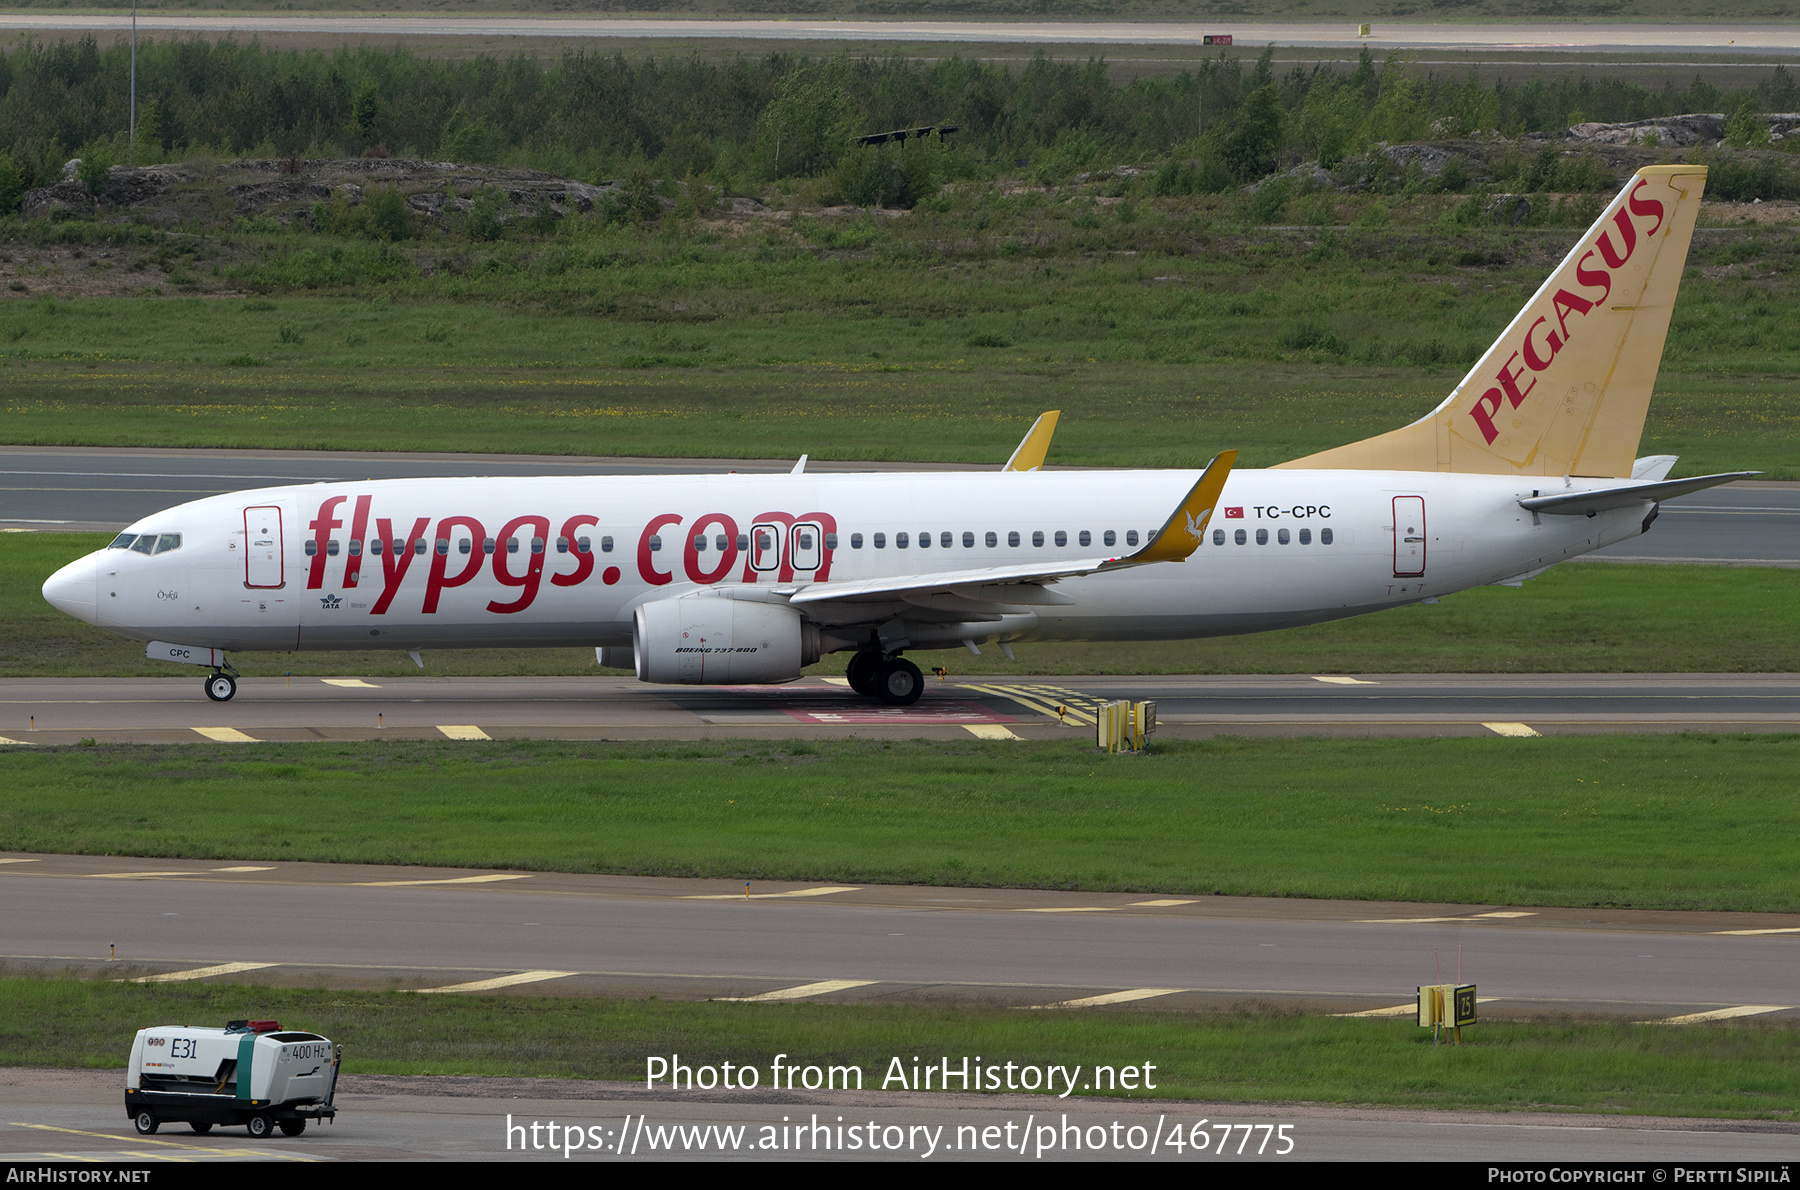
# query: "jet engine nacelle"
706,640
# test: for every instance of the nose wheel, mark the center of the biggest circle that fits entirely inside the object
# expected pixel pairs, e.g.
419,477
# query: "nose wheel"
220,687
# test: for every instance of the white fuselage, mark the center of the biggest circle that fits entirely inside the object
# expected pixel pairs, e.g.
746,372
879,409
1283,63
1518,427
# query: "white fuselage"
299,568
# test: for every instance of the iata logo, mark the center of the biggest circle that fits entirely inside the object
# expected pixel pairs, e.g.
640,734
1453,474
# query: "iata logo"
331,603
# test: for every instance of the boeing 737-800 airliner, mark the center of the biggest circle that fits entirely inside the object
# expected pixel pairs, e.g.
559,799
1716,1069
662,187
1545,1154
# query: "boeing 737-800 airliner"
747,578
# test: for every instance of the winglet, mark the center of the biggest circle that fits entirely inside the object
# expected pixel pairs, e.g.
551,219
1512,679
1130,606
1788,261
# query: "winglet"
1180,535
1035,445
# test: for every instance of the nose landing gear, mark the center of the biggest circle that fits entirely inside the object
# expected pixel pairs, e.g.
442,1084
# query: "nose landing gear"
221,684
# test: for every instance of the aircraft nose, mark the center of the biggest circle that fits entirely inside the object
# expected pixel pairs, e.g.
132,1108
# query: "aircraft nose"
75,588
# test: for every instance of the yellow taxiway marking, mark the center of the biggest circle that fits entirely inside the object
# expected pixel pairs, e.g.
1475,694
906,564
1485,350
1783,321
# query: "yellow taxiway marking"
1403,1009
1157,904
488,879
804,991
798,892
466,732
243,868
499,981
201,973
1339,680
1124,997
1783,930
350,682
226,735
1719,1014
167,1144
989,731
21,743
1513,729
1499,915
1044,700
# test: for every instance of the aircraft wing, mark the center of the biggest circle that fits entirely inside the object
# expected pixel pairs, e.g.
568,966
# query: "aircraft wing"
1178,538
1592,502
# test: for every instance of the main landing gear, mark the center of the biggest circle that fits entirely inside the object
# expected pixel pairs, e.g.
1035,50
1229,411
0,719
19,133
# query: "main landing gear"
894,680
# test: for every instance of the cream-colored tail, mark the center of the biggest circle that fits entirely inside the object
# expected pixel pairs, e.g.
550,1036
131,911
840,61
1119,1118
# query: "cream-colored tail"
1564,390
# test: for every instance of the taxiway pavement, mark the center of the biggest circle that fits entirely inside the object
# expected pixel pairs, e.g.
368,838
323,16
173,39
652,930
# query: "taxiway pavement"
46,711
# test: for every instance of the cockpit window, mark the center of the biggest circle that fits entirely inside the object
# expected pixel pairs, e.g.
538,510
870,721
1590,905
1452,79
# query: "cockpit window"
167,542
122,541
145,544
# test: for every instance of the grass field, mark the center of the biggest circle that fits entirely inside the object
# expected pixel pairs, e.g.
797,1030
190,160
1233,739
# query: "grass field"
1577,618
1743,1071
1166,330
1681,822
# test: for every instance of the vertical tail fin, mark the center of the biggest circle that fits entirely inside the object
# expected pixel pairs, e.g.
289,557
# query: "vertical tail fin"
1564,390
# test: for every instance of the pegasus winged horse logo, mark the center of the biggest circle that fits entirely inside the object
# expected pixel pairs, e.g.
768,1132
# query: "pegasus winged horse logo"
1197,525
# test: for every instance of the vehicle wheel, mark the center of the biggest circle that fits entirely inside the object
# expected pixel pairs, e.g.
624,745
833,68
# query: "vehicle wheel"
258,1126
862,671
201,1126
292,1127
220,687
900,684
146,1122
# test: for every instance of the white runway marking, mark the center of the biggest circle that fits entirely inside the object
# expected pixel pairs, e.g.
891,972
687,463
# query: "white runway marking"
226,735
989,731
202,972
22,743
1476,917
1512,729
1124,997
467,732
350,682
1719,1014
1337,680
803,992
1782,930
798,892
499,981
489,879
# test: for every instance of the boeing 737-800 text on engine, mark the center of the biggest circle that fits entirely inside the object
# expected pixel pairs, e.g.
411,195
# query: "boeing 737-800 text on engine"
747,578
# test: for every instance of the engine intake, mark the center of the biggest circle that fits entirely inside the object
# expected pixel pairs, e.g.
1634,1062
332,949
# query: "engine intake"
705,640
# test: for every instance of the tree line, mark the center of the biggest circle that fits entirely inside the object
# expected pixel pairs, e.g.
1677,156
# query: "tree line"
751,120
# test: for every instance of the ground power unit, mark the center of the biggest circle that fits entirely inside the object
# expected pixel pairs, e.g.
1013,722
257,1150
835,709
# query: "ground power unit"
250,1073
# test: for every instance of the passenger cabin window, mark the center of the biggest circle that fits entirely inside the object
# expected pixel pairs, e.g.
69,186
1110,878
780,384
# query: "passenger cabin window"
856,541
1131,537
1324,536
537,545
562,545
1281,536
968,540
1037,537
700,543
899,541
464,545
585,545
1012,539
1306,537
512,545
146,544
1262,537
925,541
606,545
1062,538
356,549
880,540
376,546
419,546
1218,537
487,545
1086,538
1239,537
655,542
721,542
992,539
944,539
331,548
1109,537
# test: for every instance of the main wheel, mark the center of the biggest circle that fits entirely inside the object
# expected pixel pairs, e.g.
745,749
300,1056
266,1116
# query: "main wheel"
863,671
258,1126
146,1122
220,687
900,683
201,1126
292,1127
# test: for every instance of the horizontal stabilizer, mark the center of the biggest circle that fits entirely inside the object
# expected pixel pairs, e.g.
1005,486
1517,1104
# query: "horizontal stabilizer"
1606,499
